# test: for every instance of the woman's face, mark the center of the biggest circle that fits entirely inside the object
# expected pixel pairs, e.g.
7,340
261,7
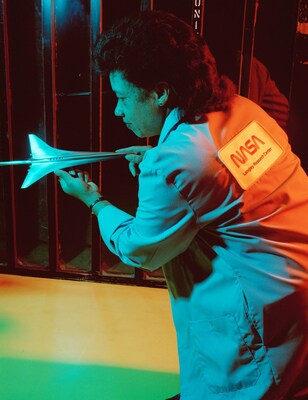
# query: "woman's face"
142,111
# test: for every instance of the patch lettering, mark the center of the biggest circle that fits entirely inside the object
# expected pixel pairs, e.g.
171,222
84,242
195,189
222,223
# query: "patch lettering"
250,154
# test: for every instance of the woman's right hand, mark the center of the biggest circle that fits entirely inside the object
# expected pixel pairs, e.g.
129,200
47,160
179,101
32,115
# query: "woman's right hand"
135,156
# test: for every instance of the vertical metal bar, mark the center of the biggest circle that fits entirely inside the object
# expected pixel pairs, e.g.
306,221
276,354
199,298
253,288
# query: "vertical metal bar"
53,71
96,84
298,97
96,26
10,200
6,217
247,46
56,247
49,51
197,18
146,5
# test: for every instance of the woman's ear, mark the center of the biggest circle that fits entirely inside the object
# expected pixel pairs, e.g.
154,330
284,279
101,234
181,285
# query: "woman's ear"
162,93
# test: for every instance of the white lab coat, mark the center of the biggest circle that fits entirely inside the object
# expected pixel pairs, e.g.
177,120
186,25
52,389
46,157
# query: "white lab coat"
235,259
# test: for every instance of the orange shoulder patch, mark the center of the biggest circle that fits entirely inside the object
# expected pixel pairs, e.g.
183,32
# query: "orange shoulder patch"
250,154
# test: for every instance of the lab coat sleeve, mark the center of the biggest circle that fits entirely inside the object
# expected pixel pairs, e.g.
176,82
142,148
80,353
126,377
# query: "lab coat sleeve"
163,227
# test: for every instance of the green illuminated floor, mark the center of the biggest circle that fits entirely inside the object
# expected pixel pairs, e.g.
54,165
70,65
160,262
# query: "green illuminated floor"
32,380
68,340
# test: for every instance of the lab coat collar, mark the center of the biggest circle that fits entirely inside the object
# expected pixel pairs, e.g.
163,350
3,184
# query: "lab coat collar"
171,123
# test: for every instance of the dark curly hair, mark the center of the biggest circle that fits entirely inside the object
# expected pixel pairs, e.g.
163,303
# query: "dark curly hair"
154,46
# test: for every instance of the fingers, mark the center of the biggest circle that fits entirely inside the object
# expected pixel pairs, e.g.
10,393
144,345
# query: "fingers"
133,168
61,174
65,179
77,183
124,150
77,173
134,158
134,161
93,186
134,154
131,149
134,149
73,173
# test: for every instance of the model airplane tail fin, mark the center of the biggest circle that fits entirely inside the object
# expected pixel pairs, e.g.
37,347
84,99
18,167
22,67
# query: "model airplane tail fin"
40,149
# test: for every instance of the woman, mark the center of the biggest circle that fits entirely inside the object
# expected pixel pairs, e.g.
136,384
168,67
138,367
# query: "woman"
220,206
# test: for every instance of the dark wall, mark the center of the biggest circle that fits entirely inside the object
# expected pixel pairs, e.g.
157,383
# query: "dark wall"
48,87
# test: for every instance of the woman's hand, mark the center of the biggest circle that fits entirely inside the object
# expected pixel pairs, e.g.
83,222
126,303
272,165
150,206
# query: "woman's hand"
78,184
135,156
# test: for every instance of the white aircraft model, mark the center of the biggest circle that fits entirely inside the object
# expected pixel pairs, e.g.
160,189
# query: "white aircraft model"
45,159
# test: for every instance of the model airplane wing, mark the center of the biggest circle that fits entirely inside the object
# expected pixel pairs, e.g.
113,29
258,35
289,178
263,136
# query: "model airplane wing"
45,159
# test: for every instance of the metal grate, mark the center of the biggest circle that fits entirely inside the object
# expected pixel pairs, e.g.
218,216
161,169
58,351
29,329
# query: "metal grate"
51,91
47,87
